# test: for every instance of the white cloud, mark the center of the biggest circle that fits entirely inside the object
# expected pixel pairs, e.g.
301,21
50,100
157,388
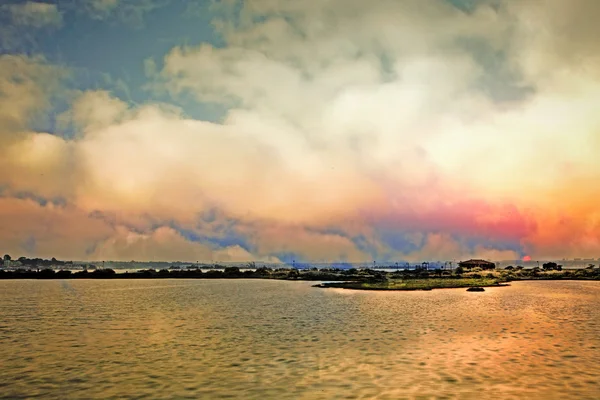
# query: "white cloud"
404,85
336,111
96,110
26,84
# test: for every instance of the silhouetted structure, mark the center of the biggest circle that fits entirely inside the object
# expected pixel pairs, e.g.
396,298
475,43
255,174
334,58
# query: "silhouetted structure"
551,266
470,264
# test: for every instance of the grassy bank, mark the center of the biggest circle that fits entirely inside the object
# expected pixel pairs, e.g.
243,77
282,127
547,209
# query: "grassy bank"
415,284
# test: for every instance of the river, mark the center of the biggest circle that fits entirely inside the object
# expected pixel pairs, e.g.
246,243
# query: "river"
248,339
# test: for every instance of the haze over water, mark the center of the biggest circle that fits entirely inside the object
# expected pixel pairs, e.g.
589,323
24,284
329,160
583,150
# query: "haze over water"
86,339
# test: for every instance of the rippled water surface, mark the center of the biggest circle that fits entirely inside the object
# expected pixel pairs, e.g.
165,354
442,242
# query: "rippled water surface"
92,339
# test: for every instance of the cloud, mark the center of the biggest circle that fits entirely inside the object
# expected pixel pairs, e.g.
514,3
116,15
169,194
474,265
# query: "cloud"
163,244
305,244
354,132
28,87
95,110
129,12
35,15
102,7
31,229
31,161
409,102
201,164
557,40
21,23
443,247
373,95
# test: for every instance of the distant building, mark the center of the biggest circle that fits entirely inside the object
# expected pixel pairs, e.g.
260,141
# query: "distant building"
470,264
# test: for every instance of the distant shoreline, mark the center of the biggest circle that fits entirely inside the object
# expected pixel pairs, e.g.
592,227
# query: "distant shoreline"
356,279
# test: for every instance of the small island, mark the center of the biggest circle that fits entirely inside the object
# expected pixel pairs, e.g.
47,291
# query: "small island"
409,283
475,275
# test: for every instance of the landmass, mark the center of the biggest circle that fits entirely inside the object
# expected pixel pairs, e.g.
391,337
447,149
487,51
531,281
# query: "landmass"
352,278
407,283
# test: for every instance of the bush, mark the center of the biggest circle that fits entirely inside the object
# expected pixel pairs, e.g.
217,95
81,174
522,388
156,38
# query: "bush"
63,273
46,273
549,266
231,271
293,273
213,274
104,273
263,271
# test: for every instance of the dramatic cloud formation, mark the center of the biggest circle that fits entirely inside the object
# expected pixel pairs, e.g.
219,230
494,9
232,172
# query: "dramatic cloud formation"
350,131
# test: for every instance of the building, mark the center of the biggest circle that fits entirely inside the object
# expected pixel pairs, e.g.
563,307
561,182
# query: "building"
470,264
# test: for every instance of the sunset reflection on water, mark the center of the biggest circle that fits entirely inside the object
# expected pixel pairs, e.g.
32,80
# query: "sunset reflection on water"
274,339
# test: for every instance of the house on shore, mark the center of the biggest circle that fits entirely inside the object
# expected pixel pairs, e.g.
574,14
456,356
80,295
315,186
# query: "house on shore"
470,264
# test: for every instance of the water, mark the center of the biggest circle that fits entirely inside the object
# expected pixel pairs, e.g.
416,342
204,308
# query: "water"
125,339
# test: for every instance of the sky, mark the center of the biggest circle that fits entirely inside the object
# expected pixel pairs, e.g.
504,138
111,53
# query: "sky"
280,130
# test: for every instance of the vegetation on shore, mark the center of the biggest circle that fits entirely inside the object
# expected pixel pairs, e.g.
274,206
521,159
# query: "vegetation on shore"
415,284
313,274
363,279
459,278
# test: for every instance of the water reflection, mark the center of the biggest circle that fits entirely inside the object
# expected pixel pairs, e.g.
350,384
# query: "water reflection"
275,339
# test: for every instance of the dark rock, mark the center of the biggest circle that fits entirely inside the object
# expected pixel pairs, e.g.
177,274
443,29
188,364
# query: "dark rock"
475,289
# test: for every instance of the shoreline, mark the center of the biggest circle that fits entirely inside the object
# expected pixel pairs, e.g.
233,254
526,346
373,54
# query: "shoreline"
409,288
364,279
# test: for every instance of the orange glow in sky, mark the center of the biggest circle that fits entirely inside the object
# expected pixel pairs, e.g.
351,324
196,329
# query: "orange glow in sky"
280,138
